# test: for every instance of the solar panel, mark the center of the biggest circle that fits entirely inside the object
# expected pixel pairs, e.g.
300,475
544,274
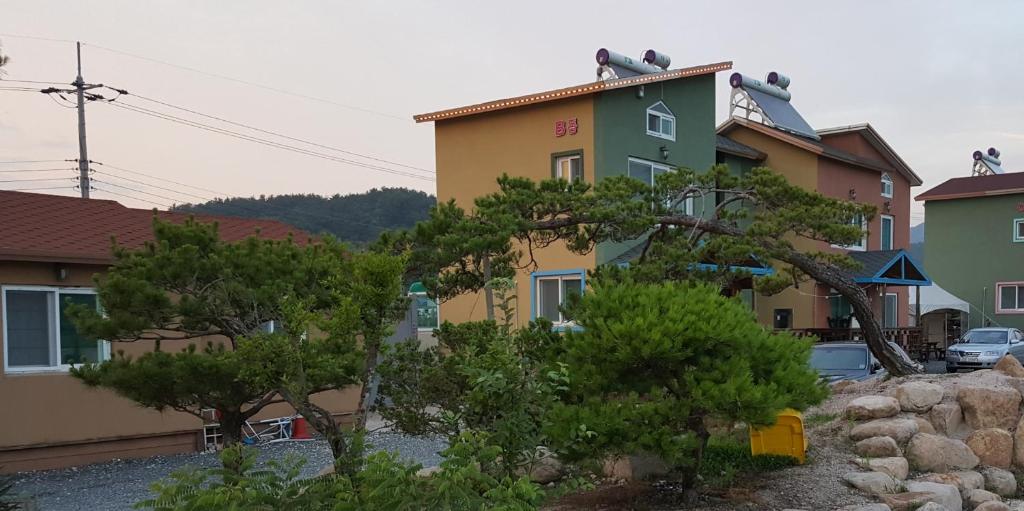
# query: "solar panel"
782,114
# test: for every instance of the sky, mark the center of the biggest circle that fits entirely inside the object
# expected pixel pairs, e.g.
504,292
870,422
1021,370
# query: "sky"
935,78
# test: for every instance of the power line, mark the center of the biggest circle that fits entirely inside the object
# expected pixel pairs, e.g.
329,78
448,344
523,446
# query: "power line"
158,178
131,197
138,191
33,81
37,38
40,179
151,185
41,188
262,141
30,161
246,82
34,170
274,133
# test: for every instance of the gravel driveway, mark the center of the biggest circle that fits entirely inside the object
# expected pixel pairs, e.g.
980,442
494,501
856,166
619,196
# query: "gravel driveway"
116,485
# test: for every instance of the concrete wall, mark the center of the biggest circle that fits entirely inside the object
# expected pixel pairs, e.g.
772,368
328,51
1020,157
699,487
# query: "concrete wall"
53,420
970,248
472,152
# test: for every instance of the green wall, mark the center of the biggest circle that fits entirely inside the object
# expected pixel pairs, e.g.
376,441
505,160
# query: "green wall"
620,132
969,243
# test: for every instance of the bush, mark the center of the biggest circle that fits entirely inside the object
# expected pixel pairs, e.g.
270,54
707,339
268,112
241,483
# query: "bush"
655,365
384,484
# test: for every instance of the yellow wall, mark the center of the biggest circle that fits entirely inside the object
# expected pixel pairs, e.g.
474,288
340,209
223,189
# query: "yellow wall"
800,168
473,151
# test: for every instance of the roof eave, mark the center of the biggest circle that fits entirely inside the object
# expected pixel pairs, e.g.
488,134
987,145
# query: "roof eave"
967,195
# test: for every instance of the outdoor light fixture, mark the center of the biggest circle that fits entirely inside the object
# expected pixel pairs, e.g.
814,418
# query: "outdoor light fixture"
853,194
664,152
62,272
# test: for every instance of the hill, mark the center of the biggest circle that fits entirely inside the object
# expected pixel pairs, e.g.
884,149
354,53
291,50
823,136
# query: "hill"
357,218
917,242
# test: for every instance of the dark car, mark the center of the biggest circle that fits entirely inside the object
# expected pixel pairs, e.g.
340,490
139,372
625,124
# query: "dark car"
851,360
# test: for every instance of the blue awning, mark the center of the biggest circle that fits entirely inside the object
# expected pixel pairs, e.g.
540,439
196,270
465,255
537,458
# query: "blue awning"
891,267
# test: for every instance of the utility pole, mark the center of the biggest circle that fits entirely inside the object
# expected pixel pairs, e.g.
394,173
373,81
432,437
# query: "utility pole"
83,151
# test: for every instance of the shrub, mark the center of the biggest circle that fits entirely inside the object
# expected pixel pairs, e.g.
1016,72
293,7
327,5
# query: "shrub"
655,364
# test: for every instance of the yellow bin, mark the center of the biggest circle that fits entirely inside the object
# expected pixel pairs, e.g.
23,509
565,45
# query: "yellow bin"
786,437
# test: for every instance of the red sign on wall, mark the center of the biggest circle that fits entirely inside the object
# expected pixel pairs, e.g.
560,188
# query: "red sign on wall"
1020,207
566,127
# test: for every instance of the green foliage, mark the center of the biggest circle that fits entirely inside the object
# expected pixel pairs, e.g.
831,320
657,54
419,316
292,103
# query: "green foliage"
654,364
358,218
726,461
480,377
384,484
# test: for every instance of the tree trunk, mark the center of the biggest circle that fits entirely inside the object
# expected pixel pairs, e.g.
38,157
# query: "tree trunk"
231,422
323,422
696,426
372,348
488,292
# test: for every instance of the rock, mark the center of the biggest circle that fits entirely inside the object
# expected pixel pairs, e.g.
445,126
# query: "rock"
1010,366
896,467
947,418
993,407
999,481
329,469
993,446
639,467
918,396
934,453
976,498
970,480
947,495
992,505
547,469
900,430
923,426
932,506
877,447
872,407
865,507
427,471
907,501
950,479
841,386
1018,444
872,483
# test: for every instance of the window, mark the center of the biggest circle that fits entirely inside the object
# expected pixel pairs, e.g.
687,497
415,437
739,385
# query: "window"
1018,230
782,318
648,172
552,291
426,312
37,333
863,244
1010,298
660,122
886,186
891,312
569,168
887,224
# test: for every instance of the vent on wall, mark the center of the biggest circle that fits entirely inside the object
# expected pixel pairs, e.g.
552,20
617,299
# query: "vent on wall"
987,163
768,102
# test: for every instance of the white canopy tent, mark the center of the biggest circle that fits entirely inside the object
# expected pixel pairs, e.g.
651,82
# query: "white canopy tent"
942,314
934,298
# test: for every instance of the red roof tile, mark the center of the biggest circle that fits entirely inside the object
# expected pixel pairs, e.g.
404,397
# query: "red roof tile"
976,186
37,227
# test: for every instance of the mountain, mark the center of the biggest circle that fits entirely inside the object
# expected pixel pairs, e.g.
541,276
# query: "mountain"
357,218
917,233
917,242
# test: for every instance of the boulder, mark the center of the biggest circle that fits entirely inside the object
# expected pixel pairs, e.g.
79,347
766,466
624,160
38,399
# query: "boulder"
639,467
944,494
999,481
918,396
872,407
931,506
896,467
547,469
900,430
872,483
923,426
991,407
976,498
935,453
970,480
865,507
1010,366
877,447
992,505
1018,444
947,418
427,471
950,479
993,446
907,501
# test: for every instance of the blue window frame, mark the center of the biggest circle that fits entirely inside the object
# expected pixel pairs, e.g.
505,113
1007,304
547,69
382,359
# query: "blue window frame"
549,290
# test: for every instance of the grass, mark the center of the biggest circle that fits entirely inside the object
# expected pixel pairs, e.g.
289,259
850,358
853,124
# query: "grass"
726,460
819,418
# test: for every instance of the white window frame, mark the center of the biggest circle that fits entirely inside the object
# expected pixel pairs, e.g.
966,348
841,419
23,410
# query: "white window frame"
999,298
561,295
437,323
863,245
896,311
661,117
887,186
568,157
1017,238
55,291
881,232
